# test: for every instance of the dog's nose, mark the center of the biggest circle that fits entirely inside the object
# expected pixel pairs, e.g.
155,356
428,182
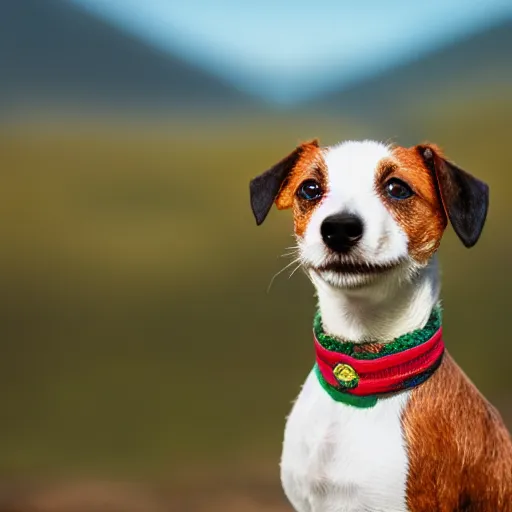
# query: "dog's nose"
342,231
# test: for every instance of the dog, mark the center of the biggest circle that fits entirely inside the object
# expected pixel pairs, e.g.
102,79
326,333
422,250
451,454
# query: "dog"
386,421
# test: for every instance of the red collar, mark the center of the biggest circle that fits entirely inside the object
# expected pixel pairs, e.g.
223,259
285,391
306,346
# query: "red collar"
341,373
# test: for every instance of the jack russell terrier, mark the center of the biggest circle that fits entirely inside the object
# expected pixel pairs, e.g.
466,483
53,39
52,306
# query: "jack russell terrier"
386,421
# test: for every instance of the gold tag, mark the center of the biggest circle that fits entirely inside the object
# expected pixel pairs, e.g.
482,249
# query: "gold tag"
345,374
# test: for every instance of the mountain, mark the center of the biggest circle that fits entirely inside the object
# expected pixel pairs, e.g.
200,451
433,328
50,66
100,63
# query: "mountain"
474,69
53,51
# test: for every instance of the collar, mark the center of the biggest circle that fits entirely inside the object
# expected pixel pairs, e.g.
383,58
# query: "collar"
358,373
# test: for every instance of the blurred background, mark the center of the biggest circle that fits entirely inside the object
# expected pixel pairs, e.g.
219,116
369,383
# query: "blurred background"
146,365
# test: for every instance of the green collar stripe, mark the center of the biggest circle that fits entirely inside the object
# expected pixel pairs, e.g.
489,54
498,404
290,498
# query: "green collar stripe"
404,342
363,402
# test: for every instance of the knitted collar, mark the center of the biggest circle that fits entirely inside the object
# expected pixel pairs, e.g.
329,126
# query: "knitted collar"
358,373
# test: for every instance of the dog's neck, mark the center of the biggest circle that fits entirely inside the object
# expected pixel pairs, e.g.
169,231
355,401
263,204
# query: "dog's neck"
380,312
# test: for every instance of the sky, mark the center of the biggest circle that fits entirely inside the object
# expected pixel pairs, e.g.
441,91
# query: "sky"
289,50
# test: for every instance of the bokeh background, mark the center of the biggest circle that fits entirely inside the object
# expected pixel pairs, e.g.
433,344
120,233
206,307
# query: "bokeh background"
145,363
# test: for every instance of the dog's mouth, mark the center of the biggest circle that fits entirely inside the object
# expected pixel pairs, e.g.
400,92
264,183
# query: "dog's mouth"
340,267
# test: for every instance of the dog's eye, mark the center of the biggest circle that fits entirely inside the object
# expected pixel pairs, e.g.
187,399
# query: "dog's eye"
397,189
310,190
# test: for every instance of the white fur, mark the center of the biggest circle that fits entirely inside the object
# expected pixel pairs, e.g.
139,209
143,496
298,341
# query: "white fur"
339,458
382,310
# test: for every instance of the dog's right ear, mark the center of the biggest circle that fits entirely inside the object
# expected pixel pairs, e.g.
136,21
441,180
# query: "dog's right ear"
464,197
266,188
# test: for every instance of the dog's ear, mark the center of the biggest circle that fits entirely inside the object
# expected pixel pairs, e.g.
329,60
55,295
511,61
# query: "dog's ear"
268,187
465,198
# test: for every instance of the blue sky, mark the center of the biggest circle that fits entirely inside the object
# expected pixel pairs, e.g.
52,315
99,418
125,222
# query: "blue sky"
288,50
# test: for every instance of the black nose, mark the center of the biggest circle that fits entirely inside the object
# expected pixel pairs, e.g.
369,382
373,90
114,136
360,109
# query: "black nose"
342,231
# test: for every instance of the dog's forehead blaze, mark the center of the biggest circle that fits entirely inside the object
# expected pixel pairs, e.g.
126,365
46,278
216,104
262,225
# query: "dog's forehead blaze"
422,217
310,164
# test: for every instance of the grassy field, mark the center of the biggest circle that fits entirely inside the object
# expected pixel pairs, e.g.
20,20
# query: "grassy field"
139,339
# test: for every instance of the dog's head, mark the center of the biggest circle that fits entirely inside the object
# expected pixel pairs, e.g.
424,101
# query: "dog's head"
364,210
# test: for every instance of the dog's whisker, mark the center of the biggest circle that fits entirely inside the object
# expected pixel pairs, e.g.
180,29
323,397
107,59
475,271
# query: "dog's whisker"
292,251
281,271
295,270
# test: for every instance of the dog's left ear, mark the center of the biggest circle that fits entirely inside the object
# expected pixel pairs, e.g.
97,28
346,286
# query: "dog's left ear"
266,188
465,198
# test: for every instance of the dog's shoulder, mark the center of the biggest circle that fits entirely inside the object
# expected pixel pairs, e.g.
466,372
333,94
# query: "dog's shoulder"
460,452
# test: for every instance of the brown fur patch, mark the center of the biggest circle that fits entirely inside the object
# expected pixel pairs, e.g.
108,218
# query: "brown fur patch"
422,216
310,165
368,348
460,453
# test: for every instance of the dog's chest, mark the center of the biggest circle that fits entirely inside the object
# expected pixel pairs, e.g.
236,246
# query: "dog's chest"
339,458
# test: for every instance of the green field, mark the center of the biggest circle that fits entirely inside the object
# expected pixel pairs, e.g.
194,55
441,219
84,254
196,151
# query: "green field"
139,340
